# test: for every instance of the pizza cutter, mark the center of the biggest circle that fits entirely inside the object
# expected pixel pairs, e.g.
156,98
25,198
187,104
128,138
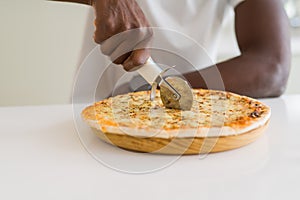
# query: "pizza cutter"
174,91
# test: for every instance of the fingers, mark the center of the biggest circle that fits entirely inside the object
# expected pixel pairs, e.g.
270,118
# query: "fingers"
136,59
124,45
121,59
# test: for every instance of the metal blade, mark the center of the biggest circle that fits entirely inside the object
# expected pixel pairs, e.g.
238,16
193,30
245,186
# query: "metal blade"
170,99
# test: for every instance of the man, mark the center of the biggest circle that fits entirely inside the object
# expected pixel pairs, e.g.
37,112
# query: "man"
261,27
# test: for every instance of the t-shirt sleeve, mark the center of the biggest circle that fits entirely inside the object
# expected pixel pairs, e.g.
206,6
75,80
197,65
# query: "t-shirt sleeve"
234,3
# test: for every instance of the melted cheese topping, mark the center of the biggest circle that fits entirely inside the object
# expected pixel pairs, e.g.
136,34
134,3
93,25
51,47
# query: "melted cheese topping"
214,113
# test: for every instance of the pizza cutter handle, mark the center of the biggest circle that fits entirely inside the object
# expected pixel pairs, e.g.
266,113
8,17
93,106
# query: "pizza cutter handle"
150,71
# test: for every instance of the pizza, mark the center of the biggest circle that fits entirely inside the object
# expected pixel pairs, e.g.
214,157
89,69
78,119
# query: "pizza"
132,120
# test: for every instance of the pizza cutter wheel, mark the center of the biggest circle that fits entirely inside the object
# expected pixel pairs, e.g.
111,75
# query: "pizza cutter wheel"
175,92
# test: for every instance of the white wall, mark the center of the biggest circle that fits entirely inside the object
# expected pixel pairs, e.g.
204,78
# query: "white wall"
294,80
41,45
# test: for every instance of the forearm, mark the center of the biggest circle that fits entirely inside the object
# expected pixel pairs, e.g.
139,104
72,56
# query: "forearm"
251,75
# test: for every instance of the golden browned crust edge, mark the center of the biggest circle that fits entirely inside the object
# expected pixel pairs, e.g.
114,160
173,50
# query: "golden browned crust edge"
182,146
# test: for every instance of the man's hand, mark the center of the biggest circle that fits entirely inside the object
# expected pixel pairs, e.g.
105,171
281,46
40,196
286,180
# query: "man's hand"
113,17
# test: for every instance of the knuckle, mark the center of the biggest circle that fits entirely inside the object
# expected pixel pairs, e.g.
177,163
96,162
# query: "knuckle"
137,61
145,33
126,26
104,50
97,39
98,36
110,25
149,32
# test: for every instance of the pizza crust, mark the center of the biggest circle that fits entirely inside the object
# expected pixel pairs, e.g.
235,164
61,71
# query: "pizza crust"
90,115
181,146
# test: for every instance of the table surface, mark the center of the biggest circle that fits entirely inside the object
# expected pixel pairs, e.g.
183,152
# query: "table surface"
45,153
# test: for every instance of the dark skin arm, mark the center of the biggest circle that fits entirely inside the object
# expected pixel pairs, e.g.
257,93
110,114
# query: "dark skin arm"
263,67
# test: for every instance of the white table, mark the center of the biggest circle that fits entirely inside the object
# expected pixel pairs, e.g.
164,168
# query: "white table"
41,157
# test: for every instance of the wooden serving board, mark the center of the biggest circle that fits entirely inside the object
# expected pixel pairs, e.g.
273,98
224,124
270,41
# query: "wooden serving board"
184,146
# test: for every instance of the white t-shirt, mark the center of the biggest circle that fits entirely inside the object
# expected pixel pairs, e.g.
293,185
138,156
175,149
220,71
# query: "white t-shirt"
201,20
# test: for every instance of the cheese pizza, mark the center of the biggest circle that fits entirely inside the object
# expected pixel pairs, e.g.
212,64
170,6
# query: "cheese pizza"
132,121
